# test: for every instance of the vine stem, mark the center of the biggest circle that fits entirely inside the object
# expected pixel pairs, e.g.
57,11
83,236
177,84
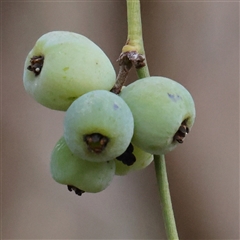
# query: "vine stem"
135,36
165,197
135,43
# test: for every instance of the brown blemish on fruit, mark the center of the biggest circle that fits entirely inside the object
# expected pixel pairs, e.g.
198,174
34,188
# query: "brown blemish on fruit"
181,133
96,142
78,191
36,64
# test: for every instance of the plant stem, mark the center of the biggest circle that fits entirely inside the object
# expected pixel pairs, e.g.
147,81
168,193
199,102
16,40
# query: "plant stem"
135,43
135,36
165,197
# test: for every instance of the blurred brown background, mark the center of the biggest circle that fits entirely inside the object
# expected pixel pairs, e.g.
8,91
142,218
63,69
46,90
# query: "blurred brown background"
195,43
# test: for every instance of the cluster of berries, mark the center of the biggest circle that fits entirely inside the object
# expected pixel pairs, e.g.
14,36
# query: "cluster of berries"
105,134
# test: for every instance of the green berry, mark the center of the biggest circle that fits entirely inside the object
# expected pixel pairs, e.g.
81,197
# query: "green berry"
63,66
163,112
143,159
85,176
98,126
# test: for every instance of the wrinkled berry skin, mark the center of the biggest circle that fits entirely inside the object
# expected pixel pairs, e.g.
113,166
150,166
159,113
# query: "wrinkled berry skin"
159,106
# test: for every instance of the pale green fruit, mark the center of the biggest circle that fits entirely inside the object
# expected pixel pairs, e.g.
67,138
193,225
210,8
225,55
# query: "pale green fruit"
159,106
71,66
71,170
98,126
143,159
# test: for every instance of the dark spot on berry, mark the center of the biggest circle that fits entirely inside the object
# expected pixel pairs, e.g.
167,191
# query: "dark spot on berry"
181,132
127,157
174,97
115,106
130,148
77,191
96,142
36,64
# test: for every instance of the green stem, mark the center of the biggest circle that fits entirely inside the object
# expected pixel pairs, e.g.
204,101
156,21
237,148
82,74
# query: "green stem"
135,43
165,197
135,36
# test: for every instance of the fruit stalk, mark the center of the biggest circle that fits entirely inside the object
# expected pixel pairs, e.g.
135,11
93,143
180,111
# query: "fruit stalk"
135,43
